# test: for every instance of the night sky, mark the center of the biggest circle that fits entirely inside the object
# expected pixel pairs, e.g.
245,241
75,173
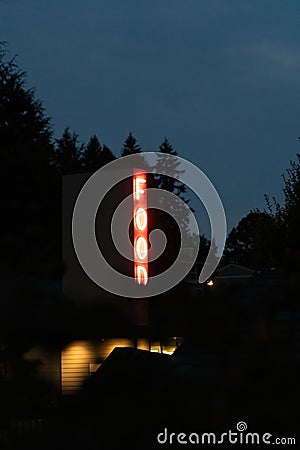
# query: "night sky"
220,79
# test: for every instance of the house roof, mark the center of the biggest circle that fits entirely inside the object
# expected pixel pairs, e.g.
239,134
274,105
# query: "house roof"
234,271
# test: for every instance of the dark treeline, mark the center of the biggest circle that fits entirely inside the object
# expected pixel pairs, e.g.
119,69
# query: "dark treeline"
33,162
270,238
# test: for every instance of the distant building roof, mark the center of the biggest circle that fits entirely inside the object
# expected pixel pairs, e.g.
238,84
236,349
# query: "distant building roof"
234,271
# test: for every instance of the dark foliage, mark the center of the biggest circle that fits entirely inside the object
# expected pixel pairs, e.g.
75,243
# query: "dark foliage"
271,237
130,146
68,153
31,200
95,155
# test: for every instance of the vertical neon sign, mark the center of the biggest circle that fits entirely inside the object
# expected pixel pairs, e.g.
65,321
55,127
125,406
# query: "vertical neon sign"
140,225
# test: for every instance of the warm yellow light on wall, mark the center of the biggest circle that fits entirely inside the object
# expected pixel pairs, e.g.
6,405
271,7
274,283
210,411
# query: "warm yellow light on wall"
210,283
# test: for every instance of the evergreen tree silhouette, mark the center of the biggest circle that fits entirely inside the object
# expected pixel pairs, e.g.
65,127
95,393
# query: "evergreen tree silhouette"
130,146
106,156
31,200
95,155
68,152
168,163
91,155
